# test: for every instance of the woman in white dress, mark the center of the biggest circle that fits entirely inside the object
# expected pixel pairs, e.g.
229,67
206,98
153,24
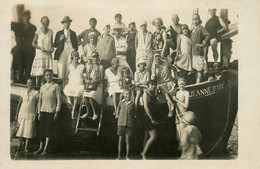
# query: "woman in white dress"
94,86
27,114
144,46
74,89
43,41
183,52
112,75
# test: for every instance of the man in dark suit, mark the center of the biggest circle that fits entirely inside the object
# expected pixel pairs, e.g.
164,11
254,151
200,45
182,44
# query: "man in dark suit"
65,42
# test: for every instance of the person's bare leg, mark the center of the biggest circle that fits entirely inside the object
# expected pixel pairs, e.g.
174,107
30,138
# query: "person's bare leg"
87,104
46,146
26,145
114,96
199,75
75,101
146,137
138,95
127,141
214,47
93,105
153,135
170,104
120,143
40,148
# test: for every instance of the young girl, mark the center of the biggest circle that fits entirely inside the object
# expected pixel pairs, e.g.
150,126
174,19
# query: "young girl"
183,52
48,109
125,114
94,77
182,100
90,47
74,89
142,76
190,138
27,114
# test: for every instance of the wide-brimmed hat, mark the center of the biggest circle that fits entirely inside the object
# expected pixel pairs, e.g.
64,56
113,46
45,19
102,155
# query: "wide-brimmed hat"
66,19
188,117
141,61
143,23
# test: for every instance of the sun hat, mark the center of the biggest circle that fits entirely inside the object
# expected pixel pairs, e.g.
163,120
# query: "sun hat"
141,61
143,23
66,19
188,117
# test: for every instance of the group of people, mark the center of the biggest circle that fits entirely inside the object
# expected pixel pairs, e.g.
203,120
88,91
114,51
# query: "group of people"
131,66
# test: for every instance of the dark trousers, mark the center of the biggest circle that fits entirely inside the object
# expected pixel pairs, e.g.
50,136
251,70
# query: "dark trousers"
46,125
106,64
130,58
22,62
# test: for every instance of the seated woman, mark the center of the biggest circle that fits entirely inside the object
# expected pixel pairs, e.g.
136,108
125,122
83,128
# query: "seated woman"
93,85
142,77
121,48
162,74
112,76
90,47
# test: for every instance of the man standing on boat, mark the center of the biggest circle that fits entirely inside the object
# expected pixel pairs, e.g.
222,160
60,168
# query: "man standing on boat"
214,26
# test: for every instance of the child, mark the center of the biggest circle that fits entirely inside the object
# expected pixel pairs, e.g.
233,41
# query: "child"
27,114
125,114
74,89
48,109
126,82
89,48
142,76
191,137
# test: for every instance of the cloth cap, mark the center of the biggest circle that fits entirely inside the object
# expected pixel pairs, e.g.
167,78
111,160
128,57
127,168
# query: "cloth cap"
141,61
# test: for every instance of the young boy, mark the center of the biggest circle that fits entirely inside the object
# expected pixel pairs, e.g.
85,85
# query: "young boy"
125,114
48,109
142,77
190,138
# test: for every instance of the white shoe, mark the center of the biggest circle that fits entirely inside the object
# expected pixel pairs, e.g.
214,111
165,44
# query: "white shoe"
95,117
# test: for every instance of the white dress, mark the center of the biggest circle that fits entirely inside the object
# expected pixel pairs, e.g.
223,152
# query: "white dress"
75,87
26,114
65,59
112,82
43,60
184,60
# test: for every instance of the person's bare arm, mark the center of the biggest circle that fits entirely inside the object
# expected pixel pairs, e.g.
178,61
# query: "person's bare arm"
186,103
224,26
35,44
164,35
178,52
18,108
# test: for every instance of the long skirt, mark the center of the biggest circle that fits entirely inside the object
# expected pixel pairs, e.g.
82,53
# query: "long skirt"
26,128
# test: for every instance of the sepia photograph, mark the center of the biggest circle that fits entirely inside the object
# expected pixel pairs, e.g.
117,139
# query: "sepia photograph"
123,81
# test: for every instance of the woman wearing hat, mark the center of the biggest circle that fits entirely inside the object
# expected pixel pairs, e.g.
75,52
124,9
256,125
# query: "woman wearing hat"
43,41
159,38
199,38
65,42
90,47
191,138
131,53
141,78
144,46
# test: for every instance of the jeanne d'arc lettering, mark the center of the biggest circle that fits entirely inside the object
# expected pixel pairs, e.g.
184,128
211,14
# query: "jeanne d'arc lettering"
207,90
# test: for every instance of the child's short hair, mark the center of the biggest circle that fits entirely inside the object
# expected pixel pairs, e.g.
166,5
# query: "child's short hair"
114,60
72,54
125,69
30,78
48,70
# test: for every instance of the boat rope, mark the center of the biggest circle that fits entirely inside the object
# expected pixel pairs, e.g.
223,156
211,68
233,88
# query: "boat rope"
226,125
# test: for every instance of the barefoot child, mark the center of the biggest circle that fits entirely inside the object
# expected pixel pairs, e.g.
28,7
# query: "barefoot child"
48,109
27,113
190,138
142,76
125,115
75,87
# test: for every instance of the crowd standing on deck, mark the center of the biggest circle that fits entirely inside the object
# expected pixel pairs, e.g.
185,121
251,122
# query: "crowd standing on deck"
136,66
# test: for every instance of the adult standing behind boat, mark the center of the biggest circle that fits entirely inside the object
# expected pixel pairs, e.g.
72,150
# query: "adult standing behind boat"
43,41
65,42
199,39
161,73
144,46
121,48
131,53
93,86
106,47
174,30
159,38
23,52
120,24
214,26
90,47
148,121
83,37
183,52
